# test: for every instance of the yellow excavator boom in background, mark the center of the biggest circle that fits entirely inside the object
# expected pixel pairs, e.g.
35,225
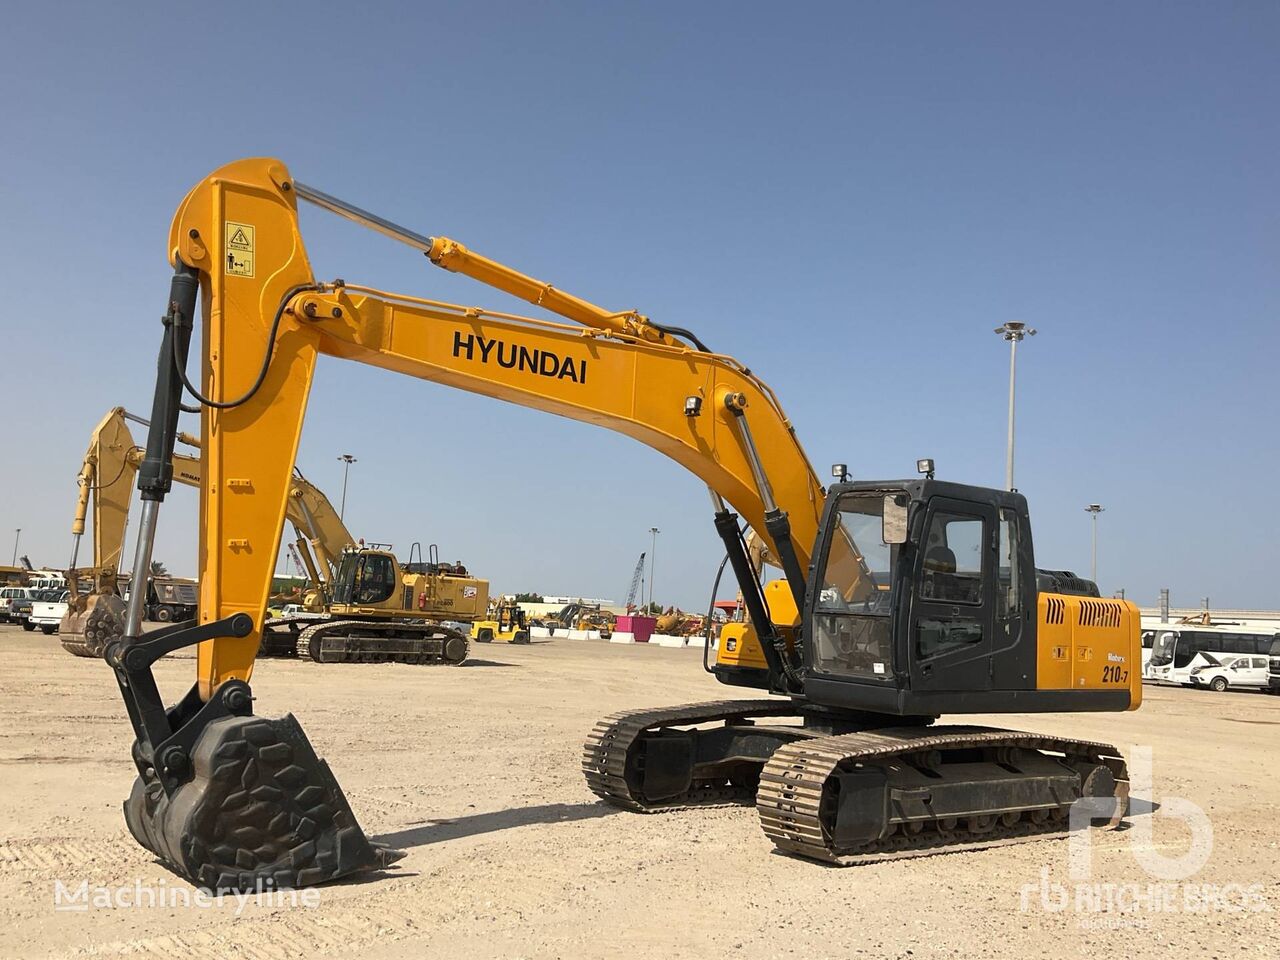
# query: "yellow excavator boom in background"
901,600
106,478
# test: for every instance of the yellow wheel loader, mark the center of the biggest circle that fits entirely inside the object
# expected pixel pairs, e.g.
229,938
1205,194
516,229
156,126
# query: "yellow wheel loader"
900,601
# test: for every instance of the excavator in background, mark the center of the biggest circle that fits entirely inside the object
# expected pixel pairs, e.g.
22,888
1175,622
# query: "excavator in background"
323,543
579,616
900,601
383,611
95,619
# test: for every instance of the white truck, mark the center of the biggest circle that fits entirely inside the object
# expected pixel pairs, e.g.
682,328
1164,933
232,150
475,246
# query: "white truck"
47,614
1224,673
9,594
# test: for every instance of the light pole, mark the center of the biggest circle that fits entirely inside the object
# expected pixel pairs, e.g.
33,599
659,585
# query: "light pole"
1094,509
653,552
347,460
1013,331
17,532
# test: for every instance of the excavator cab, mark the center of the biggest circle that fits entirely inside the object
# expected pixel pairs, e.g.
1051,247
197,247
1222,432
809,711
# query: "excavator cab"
923,599
365,578
958,618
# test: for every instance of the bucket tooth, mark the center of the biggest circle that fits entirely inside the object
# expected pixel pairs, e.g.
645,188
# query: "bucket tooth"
261,811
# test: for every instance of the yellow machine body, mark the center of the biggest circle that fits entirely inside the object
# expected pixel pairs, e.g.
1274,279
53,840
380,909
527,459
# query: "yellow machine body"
427,595
1082,643
506,625
739,646
1087,643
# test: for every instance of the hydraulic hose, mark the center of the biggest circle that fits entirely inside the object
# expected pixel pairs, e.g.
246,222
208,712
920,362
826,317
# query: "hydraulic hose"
262,371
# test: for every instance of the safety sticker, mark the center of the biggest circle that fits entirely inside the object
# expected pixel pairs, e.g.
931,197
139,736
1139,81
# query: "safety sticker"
239,249
469,592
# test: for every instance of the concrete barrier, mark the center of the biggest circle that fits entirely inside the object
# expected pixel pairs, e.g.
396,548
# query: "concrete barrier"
540,633
619,637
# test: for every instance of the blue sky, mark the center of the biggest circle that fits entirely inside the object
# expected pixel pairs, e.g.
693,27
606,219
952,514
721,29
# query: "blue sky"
847,197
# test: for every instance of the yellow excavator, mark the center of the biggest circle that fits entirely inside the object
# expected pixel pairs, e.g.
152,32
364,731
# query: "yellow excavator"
380,610
110,465
346,623
901,600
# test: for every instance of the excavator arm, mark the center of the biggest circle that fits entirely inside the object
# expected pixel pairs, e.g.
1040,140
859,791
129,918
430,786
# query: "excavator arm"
266,318
313,516
106,485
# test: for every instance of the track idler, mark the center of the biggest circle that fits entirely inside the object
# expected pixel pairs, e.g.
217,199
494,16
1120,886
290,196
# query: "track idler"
90,629
229,800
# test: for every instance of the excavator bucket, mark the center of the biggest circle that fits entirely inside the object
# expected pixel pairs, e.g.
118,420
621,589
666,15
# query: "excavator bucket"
91,624
229,800
260,811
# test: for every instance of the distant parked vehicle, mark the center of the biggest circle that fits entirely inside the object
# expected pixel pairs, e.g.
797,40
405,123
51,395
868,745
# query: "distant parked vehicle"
20,607
47,614
1176,646
9,594
298,611
170,599
1230,672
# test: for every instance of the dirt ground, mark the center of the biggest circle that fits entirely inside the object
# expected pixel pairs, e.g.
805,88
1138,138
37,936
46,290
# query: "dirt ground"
475,772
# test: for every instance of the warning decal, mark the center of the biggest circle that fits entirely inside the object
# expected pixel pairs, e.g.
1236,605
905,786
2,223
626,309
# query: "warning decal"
239,249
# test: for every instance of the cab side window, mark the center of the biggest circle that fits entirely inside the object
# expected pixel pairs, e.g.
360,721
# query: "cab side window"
953,559
1008,587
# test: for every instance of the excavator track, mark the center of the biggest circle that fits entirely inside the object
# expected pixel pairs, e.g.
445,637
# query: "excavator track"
615,770
370,641
280,636
799,798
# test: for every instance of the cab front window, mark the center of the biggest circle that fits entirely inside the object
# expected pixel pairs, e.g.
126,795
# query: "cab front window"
851,623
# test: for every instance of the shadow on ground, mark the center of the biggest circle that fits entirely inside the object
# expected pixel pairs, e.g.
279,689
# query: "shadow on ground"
438,831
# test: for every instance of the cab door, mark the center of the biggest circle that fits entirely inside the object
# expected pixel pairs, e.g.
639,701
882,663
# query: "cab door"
952,619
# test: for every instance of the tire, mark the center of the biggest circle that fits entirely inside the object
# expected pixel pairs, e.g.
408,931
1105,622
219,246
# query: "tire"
164,614
28,625
485,635
1218,684
48,628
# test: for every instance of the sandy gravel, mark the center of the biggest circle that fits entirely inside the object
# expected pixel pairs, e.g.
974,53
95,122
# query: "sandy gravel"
475,772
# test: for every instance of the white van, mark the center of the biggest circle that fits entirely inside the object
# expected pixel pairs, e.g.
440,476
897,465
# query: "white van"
1249,673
